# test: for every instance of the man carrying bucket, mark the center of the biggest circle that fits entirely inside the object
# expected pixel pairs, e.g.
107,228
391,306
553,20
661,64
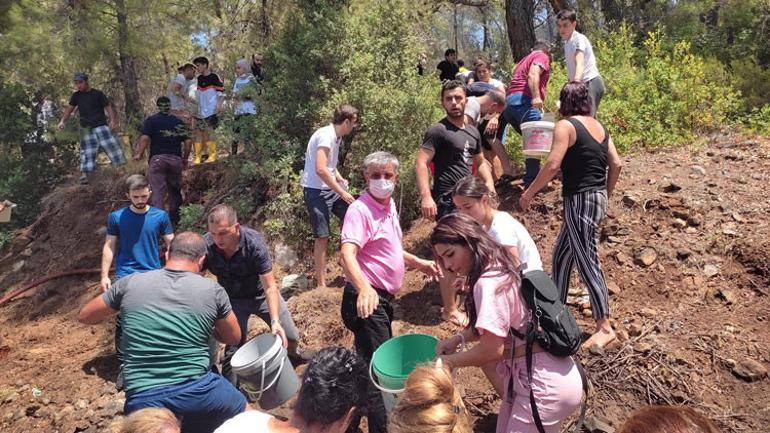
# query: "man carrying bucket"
168,316
373,259
524,102
239,258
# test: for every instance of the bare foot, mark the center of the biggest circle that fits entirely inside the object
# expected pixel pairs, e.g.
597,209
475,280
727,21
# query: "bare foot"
455,317
601,338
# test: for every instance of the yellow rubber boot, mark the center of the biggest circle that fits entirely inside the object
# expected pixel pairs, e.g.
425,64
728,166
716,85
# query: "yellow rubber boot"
198,147
211,146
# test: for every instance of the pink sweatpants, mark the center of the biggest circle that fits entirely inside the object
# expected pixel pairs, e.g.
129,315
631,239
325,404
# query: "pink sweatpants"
558,392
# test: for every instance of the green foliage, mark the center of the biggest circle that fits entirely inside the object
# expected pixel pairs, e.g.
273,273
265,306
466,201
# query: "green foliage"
758,120
191,218
659,95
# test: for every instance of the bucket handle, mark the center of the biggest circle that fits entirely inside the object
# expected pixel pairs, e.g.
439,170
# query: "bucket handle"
377,385
262,387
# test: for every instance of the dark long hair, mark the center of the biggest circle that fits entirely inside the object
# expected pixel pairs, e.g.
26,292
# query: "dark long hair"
575,99
488,255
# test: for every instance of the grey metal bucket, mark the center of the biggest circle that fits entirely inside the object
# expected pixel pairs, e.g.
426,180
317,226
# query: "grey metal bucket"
264,371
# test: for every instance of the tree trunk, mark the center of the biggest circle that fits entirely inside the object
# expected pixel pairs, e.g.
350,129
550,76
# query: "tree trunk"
485,26
455,27
558,5
133,105
264,24
519,17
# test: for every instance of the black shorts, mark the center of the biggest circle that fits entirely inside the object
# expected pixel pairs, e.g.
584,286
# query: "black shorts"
207,123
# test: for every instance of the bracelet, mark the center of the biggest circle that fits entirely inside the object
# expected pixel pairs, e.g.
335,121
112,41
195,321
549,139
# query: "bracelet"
274,322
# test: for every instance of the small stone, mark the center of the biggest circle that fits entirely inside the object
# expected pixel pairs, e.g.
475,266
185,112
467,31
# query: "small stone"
27,252
729,232
694,220
622,335
698,170
728,296
683,254
575,291
597,350
634,329
710,270
679,223
646,256
112,408
19,414
585,305
648,312
81,404
622,258
587,313
613,288
8,417
614,240
630,199
737,217
642,347
730,363
17,266
30,411
671,187
750,370
691,230
294,284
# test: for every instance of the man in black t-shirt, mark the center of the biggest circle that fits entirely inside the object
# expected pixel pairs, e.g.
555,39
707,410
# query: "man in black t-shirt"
95,128
447,69
165,134
454,148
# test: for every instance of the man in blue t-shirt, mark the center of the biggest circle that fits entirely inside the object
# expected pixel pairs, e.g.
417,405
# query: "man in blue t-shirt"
133,233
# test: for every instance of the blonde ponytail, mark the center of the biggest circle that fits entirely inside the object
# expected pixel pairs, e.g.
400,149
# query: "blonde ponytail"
430,403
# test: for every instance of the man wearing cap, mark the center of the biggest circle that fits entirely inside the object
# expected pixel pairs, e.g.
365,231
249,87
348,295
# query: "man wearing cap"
165,134
95,127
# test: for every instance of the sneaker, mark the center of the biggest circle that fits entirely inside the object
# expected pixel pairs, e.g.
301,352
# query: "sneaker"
301,357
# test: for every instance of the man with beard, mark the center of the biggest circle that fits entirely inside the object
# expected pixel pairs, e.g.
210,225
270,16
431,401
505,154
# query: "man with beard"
133,233
454,148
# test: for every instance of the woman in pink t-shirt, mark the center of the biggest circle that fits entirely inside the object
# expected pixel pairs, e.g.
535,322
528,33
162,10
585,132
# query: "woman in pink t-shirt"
495,306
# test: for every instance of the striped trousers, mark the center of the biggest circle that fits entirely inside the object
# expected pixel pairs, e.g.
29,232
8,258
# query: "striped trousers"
577,244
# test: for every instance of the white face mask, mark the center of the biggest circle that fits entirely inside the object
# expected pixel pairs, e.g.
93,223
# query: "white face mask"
381,188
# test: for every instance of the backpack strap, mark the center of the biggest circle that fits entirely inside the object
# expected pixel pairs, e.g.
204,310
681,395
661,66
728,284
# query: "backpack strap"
532,402
583,406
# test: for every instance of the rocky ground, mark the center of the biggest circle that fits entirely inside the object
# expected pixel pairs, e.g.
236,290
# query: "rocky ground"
685,248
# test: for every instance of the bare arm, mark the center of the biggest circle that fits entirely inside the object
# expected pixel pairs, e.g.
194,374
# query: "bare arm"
422,171
167,240
484,171
615,165
580,65
562,137
273,298
490,349
368,299
427,267
533,82
108,253
95,311
144,141
321,169
111,118
227,330
66,115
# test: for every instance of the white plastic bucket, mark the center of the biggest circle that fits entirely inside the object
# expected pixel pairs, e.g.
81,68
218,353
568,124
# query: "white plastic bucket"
264,371
537,137
389,396
5,211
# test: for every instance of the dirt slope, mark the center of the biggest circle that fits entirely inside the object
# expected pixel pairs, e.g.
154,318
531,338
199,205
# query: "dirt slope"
696,311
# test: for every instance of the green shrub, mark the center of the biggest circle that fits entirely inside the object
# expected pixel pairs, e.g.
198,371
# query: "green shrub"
660,96
758,120
191,218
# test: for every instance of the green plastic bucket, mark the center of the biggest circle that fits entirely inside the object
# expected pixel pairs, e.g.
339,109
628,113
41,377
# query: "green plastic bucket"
396,358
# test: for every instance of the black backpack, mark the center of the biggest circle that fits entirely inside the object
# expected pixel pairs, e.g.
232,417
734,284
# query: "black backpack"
553,327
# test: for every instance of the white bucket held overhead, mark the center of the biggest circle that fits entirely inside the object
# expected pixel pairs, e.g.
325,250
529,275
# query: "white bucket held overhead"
537,137
264,371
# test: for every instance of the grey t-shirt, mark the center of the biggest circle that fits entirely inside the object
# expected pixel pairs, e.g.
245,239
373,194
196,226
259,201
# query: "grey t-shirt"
167,319
473,109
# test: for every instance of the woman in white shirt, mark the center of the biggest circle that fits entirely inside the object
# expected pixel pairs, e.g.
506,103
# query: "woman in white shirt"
334,386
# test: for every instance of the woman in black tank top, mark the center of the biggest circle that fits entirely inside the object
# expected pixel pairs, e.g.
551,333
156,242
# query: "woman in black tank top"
583,150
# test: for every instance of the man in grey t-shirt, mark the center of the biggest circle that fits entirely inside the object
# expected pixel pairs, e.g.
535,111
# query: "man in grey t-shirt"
579,56
179,93
479,110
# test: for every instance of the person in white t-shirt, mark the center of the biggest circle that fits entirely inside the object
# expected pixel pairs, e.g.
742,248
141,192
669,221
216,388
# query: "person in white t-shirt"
179,93
325,190
334,387
472,198
245,89
579,56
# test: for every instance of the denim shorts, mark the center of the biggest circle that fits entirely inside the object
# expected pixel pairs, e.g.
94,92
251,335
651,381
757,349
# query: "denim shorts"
321,203
202,404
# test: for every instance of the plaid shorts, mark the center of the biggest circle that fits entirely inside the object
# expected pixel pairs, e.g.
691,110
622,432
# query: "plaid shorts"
93,139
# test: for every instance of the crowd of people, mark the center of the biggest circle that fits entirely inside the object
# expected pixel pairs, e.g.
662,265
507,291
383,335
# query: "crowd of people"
171,319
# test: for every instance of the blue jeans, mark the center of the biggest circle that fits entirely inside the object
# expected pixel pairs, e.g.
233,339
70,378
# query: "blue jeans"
203,404
518,109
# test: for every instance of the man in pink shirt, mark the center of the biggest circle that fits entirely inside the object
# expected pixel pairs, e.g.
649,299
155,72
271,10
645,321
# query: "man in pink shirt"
373,259
526,93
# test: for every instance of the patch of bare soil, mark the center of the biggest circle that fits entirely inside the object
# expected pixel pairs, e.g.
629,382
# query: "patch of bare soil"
684,246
